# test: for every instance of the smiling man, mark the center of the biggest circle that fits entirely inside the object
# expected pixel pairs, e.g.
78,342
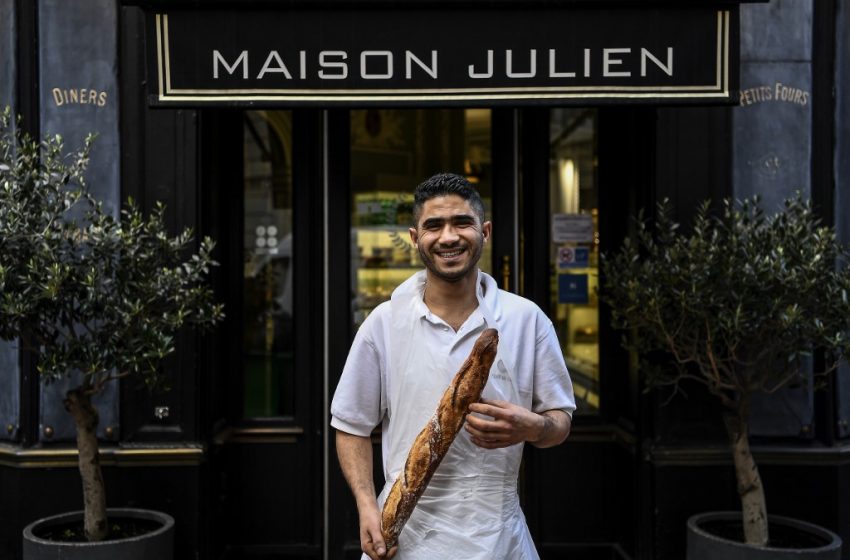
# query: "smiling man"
405,355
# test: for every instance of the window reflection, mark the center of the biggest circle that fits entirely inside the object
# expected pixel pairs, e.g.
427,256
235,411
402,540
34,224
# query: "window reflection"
268,248
392,151
574,252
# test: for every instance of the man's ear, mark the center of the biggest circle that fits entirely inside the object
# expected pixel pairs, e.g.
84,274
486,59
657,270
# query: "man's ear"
414,237
487,230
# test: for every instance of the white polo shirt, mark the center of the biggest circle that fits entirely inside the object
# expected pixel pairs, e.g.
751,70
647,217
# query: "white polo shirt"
360,400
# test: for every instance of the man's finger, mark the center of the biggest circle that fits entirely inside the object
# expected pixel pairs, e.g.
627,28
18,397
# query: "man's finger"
478,423
496,409
490,444
374,545
379,545
484,425
492,435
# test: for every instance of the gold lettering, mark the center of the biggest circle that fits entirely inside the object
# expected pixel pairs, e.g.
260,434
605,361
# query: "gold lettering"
83,96
775,92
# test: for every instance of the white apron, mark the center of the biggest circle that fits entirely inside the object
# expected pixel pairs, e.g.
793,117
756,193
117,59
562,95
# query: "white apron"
470,508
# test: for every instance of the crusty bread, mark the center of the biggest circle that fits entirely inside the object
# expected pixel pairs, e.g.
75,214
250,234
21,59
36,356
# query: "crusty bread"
433,442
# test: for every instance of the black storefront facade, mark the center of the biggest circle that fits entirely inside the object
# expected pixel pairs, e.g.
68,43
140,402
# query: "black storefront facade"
293,133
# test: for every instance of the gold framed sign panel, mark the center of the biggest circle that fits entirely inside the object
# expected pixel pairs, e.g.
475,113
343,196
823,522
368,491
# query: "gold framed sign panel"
716,78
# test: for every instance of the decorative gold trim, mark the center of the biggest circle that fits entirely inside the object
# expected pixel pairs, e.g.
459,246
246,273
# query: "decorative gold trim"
719,54
719,89
12,456
259,435
669,455
372,98
726,51
159,55
167,56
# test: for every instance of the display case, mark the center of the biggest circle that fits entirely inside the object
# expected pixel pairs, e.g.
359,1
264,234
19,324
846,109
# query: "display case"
392,151
384,258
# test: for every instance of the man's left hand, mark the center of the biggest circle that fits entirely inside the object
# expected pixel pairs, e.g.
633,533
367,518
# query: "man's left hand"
510,424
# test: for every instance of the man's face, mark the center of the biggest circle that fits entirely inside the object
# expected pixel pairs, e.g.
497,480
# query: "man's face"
449,237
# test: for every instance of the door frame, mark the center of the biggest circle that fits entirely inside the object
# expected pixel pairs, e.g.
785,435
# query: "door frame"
340,517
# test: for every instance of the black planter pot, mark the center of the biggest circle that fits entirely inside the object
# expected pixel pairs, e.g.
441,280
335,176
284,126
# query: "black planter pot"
155,545
800,540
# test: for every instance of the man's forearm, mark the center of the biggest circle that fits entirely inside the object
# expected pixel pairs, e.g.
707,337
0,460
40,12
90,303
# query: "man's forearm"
554,430
355,458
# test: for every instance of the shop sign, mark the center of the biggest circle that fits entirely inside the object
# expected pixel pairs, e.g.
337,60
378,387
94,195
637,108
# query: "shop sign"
572,288
457,56
572,228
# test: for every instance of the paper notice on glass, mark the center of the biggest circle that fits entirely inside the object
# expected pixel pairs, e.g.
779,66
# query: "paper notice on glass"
572,228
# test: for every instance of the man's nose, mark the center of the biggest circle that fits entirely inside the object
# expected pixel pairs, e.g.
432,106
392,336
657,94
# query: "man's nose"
448,235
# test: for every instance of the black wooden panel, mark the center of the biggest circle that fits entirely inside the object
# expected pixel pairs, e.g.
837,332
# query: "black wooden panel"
803,491
505,197
167,157
266,495
309,305
626,154
693,164
534,185
174,490
342,512
693,157
584,494
222,214
824,176
8,36
159,159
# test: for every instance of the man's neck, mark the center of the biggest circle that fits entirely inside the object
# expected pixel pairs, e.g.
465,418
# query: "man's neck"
453,302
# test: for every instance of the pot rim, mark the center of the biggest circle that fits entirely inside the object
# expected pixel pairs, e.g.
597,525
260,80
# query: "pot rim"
834,541
134,513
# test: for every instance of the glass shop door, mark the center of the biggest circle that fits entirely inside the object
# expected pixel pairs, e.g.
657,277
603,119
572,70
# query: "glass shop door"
378,157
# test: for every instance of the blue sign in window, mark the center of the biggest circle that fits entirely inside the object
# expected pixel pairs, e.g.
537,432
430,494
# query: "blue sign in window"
573,257
572,288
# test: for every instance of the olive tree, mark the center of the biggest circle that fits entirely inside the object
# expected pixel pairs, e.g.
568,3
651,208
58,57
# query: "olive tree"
94,296
735,303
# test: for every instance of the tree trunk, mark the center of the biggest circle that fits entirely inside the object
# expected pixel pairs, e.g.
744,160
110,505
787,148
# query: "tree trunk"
78,403
750,489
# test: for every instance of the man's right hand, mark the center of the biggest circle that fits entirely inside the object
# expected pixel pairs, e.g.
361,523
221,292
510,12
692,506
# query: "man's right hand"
371,539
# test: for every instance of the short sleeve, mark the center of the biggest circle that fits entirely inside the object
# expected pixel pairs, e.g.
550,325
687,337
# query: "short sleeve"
553,389
356,407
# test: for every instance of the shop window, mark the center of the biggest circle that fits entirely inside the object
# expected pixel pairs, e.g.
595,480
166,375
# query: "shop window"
574,258
268,265
392,151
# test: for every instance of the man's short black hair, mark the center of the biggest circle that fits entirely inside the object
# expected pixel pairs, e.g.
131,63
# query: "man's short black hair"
444,184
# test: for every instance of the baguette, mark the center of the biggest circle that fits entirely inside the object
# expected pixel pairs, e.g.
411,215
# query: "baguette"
433,442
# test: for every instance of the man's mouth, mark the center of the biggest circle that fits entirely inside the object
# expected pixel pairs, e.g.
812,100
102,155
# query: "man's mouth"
449,254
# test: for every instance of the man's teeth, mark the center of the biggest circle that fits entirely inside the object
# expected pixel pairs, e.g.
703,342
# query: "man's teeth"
449,255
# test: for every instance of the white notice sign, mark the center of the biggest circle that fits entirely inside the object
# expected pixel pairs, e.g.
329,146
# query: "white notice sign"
572,228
